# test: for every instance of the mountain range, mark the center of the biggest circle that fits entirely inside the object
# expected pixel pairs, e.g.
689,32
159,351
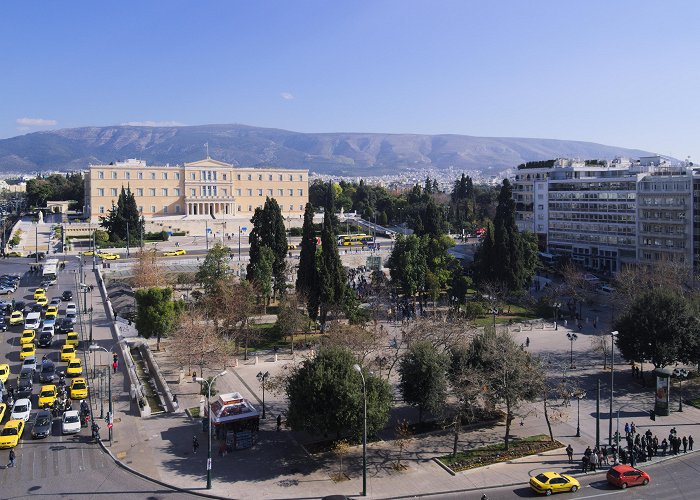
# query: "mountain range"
349,154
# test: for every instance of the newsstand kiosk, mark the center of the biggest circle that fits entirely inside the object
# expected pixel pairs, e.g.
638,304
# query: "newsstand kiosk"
235,420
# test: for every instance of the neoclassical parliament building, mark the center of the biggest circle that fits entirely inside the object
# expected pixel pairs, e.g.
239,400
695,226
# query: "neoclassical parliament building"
205,189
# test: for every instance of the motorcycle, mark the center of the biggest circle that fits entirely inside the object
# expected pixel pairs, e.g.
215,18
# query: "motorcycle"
95,432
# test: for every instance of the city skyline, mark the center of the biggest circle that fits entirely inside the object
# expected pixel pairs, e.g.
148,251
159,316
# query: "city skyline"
615,74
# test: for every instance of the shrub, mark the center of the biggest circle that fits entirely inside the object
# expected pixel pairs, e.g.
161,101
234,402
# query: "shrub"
101,236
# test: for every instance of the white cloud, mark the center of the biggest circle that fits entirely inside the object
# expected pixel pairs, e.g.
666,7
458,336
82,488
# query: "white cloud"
153,123
35,122
287,96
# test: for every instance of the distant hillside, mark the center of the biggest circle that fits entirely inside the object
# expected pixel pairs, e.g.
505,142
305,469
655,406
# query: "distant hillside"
332,153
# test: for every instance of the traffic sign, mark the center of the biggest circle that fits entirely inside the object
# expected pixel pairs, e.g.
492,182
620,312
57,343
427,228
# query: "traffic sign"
208,463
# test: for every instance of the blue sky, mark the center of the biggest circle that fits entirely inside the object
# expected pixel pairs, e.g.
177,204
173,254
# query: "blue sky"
619,72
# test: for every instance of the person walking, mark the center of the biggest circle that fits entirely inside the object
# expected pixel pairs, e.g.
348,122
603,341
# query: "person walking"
594,461
195,444
12,458
664,445
685,444
627,429
114,366
570,453
279,422
690,443
584,463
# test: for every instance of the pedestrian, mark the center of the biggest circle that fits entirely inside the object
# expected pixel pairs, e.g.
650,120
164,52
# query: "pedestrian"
594,461
664,445
195,444
12,458
633,428
570,453
627,429
222,448
114,366
690,443
584,463
602,459
279,422
685,444
527,342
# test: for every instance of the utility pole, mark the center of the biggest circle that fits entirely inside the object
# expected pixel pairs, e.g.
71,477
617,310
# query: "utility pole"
36,242
127,239
206,233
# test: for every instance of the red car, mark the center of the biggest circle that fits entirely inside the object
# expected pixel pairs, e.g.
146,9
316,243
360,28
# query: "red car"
623,476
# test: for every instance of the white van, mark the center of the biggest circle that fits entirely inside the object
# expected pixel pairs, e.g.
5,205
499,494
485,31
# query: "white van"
32,321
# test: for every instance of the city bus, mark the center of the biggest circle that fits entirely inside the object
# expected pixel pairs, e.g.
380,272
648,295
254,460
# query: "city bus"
354,239
50,270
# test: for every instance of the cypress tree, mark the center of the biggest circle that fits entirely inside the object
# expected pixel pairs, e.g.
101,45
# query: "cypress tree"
307,274
269,231
332,280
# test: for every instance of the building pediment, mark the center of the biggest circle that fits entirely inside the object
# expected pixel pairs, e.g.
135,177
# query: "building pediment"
207,163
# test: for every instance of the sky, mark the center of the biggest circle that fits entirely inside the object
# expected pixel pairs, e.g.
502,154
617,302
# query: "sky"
622,73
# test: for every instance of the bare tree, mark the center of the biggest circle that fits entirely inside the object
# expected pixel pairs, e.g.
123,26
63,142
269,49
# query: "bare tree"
600,344
291,318
193,341
442,332
341,449
403,437
577,286
148,272
362,341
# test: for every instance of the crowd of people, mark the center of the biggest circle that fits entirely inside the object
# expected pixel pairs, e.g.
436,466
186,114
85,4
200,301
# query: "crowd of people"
641,447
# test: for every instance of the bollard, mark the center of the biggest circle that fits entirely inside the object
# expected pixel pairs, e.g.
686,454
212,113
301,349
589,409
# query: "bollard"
256,360
275,358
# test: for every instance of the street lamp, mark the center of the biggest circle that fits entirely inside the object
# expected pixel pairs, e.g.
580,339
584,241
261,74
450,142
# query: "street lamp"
612,383
494,311
262,378
110,414
556,306
357,368
209,384
572,338
680,374
579,395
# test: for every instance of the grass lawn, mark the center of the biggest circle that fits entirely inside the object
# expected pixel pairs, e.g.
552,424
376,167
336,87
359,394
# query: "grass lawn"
516,314
495,453
194,411
266,341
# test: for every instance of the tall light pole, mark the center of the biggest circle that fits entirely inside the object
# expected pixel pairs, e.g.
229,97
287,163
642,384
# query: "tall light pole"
262,378
209,384
572,338
110,413
680,374
364,431
612,383
579,395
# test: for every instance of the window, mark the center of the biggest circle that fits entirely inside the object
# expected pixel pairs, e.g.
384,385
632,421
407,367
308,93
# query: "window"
250,177
301,177
114,175
164,192
239,208
139,175
177,209
238,192
139,191
269,177
176,191
141,209
269,192
100,174
127,175
152,192
153,209
225,191
291,192
291,177
113,191
301,208
291,208
238,177
177,176
193,176
165,209
249,192
301,192
280,192
259,177
102,210
193,192
250,208
224,176
153,176
281,178
100,192
260,192
165,176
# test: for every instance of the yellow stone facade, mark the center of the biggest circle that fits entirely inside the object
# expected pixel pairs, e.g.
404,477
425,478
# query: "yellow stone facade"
205,189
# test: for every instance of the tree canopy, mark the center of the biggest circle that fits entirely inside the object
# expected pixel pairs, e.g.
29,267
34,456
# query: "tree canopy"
56,187
269,231
423,378
213,268
155,312
307,274
125,214
325,396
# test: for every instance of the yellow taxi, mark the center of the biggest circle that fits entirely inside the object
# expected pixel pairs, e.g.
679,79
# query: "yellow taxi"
173,253
39,292
9,437
27,350
47,396
72,339
291,246
4,372
108,256
27,337
42,301
553,482
16,318
3,409
67,352
78,389
75,367
51,312
88,253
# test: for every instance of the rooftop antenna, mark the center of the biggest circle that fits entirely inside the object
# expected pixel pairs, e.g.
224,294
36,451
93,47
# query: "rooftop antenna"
206,145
